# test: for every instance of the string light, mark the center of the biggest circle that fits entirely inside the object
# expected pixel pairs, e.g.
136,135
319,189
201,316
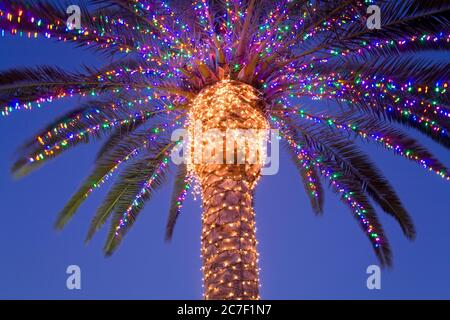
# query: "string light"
228,234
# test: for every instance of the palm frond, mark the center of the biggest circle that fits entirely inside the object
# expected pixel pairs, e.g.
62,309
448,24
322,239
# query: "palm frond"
91,121
371,129
362,209
342,182
19,87
352,161
48,19
310,179
127,198
105,166
400,19
179,188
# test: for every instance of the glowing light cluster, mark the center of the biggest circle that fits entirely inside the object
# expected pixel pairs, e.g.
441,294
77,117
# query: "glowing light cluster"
347,194
229,244
128,214
386,141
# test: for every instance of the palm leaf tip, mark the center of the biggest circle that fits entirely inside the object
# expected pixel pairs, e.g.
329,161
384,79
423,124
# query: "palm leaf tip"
20,169
176,201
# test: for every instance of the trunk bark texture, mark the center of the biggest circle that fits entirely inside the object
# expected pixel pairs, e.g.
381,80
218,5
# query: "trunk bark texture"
229,254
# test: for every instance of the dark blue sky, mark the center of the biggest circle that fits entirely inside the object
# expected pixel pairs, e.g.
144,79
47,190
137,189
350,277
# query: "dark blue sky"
302,256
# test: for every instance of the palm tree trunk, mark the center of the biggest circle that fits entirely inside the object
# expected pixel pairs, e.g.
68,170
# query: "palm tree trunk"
230,259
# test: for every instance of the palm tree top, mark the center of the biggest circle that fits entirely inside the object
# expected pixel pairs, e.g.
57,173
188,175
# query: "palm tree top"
326,79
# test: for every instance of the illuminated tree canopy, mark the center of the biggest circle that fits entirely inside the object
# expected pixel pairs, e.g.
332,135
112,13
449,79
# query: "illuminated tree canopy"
311,69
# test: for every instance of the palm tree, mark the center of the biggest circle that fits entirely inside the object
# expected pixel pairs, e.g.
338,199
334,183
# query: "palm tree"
310,69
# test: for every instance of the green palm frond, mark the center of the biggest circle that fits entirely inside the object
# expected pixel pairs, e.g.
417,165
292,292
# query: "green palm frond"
316,200
351,160
123,196
347,180
179,186
93,120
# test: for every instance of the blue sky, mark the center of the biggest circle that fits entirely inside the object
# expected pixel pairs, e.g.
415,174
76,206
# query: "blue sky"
302,256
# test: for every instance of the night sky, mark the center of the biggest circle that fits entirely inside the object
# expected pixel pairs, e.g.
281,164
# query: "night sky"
301,256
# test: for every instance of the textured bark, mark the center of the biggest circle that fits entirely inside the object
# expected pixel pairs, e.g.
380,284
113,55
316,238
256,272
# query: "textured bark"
230,259
230,262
